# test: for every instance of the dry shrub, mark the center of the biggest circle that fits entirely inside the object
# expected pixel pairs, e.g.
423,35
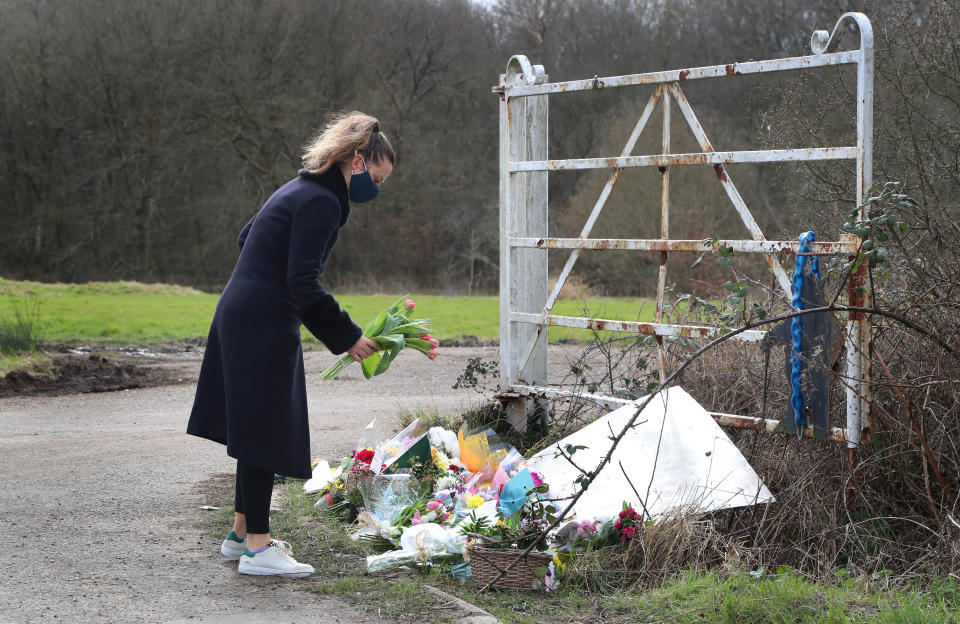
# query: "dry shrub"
680,540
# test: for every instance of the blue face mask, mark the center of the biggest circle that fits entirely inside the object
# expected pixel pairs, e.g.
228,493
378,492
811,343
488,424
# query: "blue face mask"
362,188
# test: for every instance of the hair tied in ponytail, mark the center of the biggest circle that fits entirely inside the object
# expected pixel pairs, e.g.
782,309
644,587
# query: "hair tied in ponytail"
343,135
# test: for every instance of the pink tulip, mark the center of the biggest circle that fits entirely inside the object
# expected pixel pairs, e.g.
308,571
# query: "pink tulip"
434,505
432,355
410,304
416,518
434,343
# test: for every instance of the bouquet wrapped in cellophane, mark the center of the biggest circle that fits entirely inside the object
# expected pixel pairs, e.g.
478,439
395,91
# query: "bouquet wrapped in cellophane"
392,329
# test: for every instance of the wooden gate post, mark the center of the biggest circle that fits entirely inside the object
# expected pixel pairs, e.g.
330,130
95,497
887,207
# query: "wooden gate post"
523,213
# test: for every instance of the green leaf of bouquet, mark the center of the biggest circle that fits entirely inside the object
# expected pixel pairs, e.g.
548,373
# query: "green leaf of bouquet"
376,325
369,365
384,363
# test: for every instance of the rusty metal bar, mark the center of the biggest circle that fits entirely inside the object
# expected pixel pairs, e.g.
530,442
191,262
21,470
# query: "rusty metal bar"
766,425
664,234
632,327
543,392
694,158
693,73
819,248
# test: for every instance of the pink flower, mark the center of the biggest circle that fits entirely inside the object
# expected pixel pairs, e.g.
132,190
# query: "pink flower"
587,527
537,479
432,355
416,518
426,337
434,343
434,505
410,304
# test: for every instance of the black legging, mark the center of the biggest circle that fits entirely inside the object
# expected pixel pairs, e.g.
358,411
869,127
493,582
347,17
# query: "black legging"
252,498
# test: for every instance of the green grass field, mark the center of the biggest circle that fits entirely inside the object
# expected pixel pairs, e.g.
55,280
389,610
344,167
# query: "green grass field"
131,313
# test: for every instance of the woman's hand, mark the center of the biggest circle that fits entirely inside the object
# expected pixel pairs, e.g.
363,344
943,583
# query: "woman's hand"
363,348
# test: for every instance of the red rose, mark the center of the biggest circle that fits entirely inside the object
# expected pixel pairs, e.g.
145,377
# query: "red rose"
365,456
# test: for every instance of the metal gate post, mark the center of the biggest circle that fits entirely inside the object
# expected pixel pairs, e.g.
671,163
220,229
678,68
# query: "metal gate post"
859,331
523,212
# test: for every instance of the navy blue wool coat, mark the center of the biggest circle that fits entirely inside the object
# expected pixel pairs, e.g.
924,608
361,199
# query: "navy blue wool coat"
252,394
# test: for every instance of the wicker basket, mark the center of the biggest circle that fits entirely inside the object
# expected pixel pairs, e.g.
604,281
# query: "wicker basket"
487,563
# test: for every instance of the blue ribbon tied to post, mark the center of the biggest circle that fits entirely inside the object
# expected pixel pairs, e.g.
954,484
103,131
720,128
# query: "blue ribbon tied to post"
796,327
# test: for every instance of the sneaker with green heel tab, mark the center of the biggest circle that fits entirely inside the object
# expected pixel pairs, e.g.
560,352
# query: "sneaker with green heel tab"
232,545
273,560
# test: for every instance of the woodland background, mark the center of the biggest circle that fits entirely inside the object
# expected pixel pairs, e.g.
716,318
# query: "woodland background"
139,136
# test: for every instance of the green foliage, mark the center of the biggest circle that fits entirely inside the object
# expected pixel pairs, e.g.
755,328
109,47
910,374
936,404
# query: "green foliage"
476,372
881,223
21,329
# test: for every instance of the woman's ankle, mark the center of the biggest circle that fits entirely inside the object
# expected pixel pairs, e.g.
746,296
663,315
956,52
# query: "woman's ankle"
240,525
256,541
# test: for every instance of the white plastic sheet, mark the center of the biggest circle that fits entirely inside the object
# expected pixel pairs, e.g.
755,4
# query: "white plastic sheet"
675,456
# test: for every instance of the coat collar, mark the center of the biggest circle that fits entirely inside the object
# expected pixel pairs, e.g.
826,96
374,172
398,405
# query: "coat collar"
333,180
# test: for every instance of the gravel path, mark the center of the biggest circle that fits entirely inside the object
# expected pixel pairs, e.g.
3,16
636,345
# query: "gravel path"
101,493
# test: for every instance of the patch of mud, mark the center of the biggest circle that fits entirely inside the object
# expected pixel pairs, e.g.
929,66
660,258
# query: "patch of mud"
74,373
212,488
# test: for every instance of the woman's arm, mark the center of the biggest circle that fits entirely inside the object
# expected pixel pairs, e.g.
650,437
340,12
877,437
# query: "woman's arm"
314,224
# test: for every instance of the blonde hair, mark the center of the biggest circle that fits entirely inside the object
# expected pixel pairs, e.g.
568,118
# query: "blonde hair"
343,136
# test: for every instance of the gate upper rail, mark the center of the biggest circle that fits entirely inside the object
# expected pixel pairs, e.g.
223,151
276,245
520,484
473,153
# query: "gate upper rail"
679,75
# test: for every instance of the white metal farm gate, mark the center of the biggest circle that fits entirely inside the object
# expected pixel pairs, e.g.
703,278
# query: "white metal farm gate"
525,303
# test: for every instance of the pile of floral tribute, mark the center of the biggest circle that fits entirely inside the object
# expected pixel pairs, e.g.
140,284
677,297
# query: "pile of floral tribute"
429,493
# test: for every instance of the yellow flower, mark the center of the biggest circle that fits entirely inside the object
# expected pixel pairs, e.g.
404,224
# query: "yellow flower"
440,460
474,501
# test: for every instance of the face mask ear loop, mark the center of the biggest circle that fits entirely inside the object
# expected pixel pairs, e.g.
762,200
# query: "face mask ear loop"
362,159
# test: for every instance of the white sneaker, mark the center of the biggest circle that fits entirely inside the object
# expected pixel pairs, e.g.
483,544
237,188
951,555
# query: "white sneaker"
232,545
275,560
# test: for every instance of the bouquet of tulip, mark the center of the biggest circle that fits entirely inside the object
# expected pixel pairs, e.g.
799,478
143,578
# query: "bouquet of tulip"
393,330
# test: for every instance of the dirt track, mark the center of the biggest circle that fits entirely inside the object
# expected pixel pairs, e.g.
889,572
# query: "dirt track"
101,493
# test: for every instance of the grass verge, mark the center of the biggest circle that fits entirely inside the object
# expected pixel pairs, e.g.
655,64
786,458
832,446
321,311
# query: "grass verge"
322,540
125,313
33,362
